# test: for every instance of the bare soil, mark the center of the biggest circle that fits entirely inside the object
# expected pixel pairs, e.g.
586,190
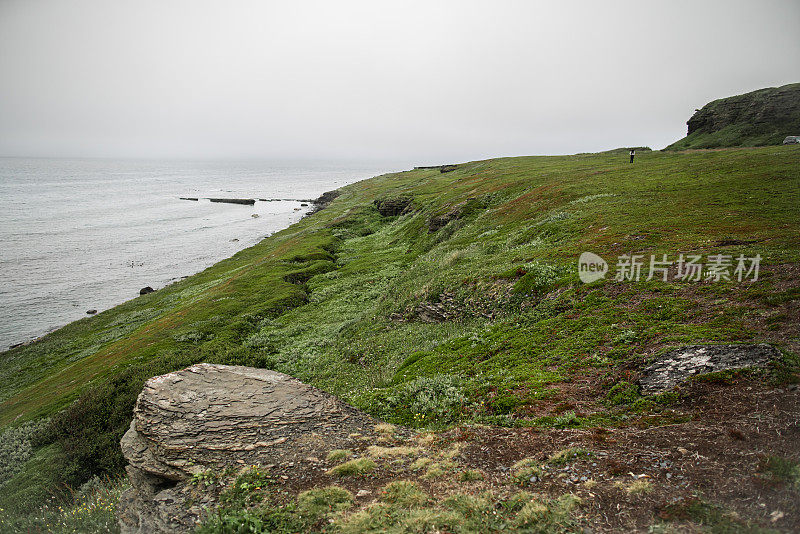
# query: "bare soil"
717,457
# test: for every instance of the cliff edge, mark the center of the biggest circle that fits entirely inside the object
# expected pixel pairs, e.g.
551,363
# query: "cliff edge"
758,118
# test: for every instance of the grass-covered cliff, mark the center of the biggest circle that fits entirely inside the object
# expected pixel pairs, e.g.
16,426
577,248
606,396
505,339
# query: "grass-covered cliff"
459,303
758,118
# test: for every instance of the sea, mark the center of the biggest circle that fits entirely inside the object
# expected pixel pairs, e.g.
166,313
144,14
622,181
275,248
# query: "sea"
87,234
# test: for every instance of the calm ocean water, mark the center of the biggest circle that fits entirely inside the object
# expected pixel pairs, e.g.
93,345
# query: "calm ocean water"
77,235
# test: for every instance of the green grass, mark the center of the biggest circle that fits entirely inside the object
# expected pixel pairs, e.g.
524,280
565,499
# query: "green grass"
332,300
565,456
404,493
337,455
402,507
470,475
527,471
710,517
783,469
353,468
521,512
92,508
319,502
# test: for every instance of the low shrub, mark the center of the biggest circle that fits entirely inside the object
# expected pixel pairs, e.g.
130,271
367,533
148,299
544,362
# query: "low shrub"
278,520
92,508
16,448
783,469
247,489
537,279
423,402
622,392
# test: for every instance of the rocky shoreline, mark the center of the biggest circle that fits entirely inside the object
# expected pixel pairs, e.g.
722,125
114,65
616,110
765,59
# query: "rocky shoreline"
315,205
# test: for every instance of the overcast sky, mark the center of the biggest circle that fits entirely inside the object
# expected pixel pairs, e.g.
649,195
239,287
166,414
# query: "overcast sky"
430,81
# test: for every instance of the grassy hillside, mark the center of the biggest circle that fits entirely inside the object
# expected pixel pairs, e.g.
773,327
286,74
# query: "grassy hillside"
758,118
467,308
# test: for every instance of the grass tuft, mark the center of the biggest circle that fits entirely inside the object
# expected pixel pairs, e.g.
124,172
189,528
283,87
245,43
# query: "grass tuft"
392,452
353,468
404,493
337,455
318,502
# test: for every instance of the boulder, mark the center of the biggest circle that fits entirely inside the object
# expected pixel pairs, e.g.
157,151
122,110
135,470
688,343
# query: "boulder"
213,417
146,290
677,366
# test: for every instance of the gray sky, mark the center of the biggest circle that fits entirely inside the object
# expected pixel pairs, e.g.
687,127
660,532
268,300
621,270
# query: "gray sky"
429,81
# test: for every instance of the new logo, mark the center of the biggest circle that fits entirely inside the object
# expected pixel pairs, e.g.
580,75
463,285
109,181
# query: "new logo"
591,267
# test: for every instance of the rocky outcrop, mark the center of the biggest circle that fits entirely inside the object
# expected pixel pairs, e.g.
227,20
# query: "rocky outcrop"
244,201
763,117
437,222
470,206
322,202
677,366
442,168
213,417
390,207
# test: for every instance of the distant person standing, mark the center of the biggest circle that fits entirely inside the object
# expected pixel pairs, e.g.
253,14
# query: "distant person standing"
633,153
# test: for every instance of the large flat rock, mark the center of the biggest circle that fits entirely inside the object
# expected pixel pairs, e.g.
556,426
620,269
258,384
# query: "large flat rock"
677,366
214,416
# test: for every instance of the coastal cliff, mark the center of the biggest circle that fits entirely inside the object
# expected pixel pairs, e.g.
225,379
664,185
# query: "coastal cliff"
763,117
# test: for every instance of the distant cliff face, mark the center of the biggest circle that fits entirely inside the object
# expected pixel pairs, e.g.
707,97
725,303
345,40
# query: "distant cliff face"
763,117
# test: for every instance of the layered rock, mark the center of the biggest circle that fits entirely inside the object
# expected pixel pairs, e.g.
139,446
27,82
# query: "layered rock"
679,365
217,416
390,207
763,117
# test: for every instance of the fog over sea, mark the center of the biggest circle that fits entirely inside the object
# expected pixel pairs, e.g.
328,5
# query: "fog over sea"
77,234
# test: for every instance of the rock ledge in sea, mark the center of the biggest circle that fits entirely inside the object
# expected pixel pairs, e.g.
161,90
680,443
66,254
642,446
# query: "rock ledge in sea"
216,416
